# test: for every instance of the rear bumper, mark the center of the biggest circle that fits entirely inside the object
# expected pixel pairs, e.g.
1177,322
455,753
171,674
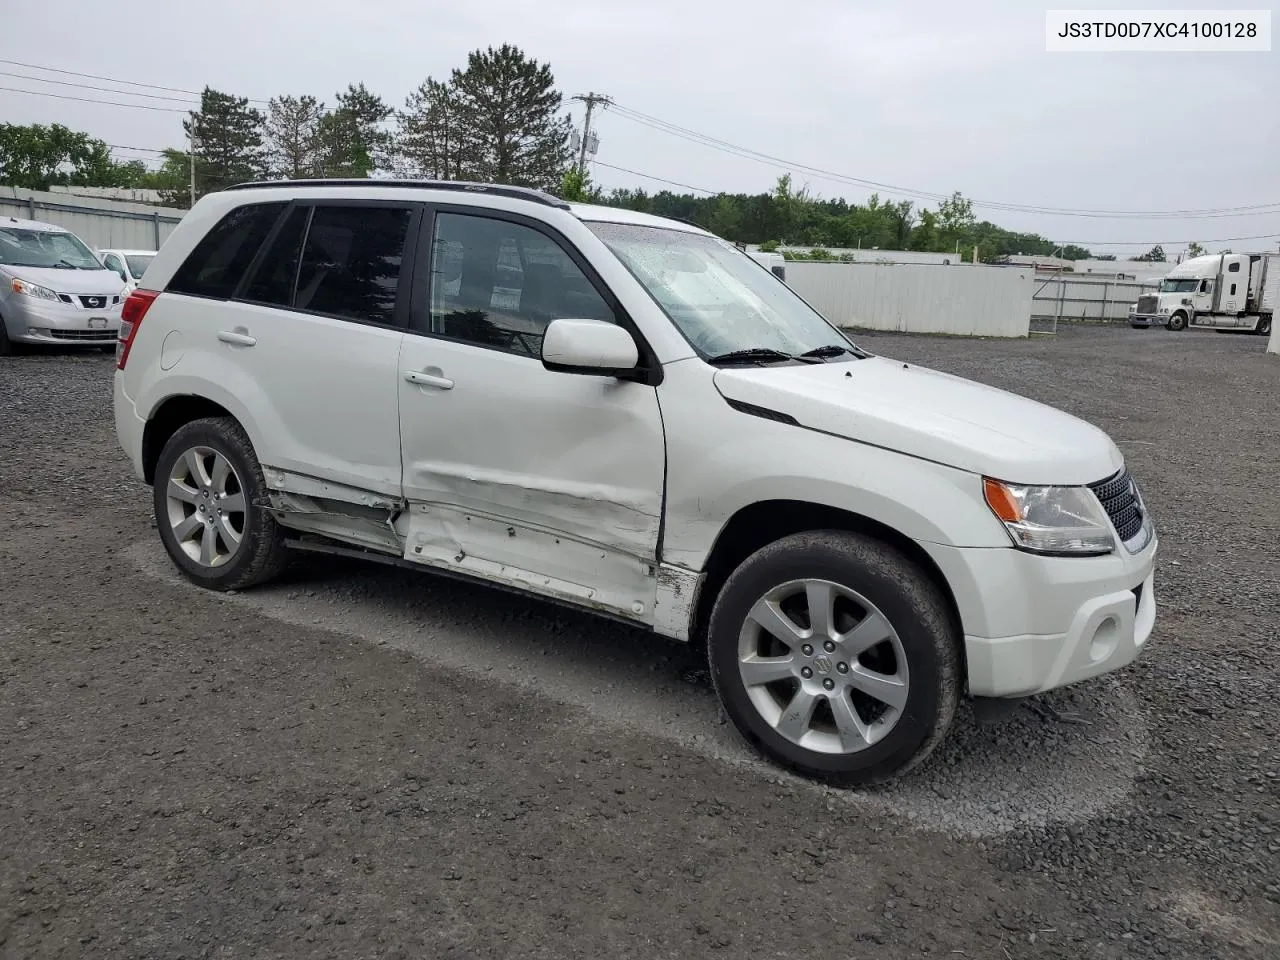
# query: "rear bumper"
129,426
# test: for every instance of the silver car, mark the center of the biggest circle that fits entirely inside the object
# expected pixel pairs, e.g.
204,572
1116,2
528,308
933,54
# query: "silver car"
53,290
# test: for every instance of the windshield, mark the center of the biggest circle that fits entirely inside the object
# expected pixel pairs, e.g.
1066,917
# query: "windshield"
45,248
1182,285
721,299
138,263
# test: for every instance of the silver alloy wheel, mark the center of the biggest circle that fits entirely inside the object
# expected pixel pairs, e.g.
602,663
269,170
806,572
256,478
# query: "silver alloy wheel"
206,506
823,666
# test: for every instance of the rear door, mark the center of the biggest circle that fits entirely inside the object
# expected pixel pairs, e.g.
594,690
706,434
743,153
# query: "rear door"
309,336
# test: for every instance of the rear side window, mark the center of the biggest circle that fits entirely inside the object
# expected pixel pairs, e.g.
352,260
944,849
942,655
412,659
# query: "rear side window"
351,262
219,260
1233,267
278,270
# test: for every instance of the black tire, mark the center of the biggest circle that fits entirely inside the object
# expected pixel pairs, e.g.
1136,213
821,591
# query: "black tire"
1178,321
262,554
6,345
1263,329
913,606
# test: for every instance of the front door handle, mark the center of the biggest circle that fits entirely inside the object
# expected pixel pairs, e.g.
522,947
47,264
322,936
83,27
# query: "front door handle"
423,379
239,336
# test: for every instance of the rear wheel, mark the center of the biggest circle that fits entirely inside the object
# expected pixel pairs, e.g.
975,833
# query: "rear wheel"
1178,321
835,656
1263,329
210,498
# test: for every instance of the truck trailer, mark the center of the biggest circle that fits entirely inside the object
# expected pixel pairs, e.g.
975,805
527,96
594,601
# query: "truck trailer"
1221,291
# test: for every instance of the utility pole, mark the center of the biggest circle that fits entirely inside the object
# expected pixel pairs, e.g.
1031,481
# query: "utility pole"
590,99
194,144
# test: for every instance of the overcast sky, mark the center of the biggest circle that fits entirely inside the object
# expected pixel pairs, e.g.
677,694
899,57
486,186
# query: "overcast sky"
930,95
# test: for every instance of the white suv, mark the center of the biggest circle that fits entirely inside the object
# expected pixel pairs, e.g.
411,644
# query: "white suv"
629,415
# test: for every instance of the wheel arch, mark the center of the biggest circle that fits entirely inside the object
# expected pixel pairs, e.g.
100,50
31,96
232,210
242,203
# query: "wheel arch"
172,414
763,522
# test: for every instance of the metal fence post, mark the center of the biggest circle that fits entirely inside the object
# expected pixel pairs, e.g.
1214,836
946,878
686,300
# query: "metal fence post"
31,208
1105,315
155,224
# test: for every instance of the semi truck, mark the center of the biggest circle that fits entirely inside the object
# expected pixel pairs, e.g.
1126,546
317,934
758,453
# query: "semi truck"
1220,291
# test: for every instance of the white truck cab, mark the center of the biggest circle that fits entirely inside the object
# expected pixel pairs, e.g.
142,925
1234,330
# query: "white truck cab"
625,414
1225,291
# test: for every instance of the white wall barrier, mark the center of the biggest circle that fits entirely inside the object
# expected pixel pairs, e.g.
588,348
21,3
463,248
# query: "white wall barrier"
965,300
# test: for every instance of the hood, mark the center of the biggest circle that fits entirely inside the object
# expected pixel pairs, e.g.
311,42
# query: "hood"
933,415
68,280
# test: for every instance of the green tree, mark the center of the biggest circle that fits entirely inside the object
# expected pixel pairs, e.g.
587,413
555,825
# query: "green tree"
514,130
353,141
1154,255
1195,250
430,134
577,187
228,136
292,135
38,157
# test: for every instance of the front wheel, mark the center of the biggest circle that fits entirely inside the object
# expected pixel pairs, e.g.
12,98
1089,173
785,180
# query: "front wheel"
835,656
1178,321
210,497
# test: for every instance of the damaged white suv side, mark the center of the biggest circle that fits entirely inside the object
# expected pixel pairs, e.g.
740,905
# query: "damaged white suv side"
629,415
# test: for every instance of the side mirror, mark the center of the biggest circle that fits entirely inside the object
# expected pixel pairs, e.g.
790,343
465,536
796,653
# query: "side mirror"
591,347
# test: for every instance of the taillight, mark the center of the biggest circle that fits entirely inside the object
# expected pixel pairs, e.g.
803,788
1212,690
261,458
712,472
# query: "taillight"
131,314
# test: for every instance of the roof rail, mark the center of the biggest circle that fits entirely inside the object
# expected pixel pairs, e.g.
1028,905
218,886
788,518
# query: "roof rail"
462,186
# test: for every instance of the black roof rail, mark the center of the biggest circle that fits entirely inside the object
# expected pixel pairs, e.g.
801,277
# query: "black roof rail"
462,186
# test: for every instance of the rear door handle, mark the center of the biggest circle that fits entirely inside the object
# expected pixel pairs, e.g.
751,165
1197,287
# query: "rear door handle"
240,337
428,380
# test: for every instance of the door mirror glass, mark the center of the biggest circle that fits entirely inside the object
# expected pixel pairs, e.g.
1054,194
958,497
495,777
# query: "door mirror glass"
588,346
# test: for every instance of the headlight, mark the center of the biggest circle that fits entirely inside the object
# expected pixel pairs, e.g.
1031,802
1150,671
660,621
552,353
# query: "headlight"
1063,520
29,289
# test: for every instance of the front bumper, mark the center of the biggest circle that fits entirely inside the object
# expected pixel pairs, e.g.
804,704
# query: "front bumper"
1148,320
31,320
1036,623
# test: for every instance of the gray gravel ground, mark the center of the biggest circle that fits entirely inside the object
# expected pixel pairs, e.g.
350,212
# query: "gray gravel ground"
362,762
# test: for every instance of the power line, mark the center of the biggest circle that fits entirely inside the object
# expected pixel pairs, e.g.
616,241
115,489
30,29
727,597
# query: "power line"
747,153
649,176
130,83
108,103
1153,243
90,86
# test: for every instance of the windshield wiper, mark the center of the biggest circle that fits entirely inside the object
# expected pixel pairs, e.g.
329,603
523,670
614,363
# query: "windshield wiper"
831,350
752,355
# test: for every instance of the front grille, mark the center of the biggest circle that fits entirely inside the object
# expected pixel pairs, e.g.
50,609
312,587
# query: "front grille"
83,334
94,302
1148,303
1119,498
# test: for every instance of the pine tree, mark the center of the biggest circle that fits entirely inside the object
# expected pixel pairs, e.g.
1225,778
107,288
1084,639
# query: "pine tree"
431,134
294,149
228,134
353,141
514,130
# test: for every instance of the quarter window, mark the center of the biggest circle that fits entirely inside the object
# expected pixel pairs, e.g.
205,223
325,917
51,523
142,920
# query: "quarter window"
219,260
1233,267
499,284
351,262
277,272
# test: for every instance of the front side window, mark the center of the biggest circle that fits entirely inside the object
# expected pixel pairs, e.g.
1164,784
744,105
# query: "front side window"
351,262
716,295
113,263
214,268
499,284
47,249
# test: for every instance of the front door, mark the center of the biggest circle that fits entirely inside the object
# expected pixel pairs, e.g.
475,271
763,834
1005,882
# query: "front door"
549,481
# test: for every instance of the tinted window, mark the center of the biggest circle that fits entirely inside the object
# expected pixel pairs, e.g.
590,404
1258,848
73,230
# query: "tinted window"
499,284
278,270
351,262
1233,290
1234,267
215,266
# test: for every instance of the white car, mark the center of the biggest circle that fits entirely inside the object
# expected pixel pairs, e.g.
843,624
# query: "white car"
128,265
628,415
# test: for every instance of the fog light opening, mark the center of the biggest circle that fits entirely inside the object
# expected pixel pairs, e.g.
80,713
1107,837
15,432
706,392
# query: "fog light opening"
1105,639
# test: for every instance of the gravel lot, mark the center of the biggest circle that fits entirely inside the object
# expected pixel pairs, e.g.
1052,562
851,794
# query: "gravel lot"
362,762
